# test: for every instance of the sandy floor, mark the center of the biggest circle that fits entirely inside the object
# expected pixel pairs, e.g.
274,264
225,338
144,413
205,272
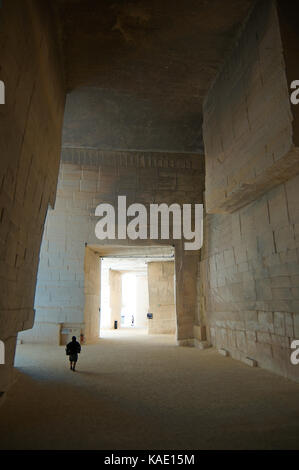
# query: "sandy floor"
145,393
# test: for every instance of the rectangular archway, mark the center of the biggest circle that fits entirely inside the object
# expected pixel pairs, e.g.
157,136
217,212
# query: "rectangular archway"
92,280
184,285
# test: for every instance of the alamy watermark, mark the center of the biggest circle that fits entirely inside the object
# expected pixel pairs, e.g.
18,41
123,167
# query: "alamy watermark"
295,354
295,94
2,353
2,92
155,225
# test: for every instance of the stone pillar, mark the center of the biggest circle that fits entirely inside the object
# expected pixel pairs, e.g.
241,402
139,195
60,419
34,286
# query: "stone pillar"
115,284
161,297
186,263
142,301
92,290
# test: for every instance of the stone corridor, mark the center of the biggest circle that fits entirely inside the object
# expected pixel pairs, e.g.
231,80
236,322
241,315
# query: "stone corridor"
190,106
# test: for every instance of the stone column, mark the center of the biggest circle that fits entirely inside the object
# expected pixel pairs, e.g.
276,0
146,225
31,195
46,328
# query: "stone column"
142,301
161,297
186,263
92,284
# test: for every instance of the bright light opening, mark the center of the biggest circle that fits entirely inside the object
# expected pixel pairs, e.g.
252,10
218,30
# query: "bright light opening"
124,294
128,311
105,313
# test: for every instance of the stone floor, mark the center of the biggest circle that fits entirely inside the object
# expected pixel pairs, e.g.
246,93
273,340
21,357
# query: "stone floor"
142,392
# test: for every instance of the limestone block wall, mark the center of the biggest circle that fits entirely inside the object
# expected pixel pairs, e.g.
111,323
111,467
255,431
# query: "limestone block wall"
248,275
249,127
86,179
249,279
30,141
161,297
115,283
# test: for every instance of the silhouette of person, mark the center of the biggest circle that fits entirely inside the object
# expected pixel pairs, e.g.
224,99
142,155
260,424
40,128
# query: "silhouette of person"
72,350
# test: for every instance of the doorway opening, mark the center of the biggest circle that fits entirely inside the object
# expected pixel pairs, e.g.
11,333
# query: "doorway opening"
129,290
124,294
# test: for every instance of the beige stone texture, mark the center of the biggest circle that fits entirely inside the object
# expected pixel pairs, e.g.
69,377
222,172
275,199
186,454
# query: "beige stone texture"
248,127
161,297
30,143
92,292
254,301
70,227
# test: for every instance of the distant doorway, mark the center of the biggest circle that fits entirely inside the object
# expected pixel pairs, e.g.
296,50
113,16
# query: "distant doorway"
124,294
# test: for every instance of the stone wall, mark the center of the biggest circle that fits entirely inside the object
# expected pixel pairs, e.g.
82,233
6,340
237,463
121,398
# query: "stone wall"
30,142
88,178
161,297
249,277
249,126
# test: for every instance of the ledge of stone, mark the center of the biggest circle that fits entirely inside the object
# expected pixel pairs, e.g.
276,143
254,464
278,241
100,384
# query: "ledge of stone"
186,342
250,362
223,352
250,189
201,344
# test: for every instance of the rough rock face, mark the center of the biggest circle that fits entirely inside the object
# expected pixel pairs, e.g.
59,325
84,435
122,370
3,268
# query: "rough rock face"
149,62
30,143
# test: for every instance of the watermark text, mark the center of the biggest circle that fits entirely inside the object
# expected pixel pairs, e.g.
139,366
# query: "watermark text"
2,92
295,94
2,353
295,354
187,222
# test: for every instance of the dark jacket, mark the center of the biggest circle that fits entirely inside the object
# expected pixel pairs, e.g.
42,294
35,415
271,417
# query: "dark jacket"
73,348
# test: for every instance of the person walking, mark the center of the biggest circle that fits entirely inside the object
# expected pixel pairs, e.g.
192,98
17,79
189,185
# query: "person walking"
72,350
